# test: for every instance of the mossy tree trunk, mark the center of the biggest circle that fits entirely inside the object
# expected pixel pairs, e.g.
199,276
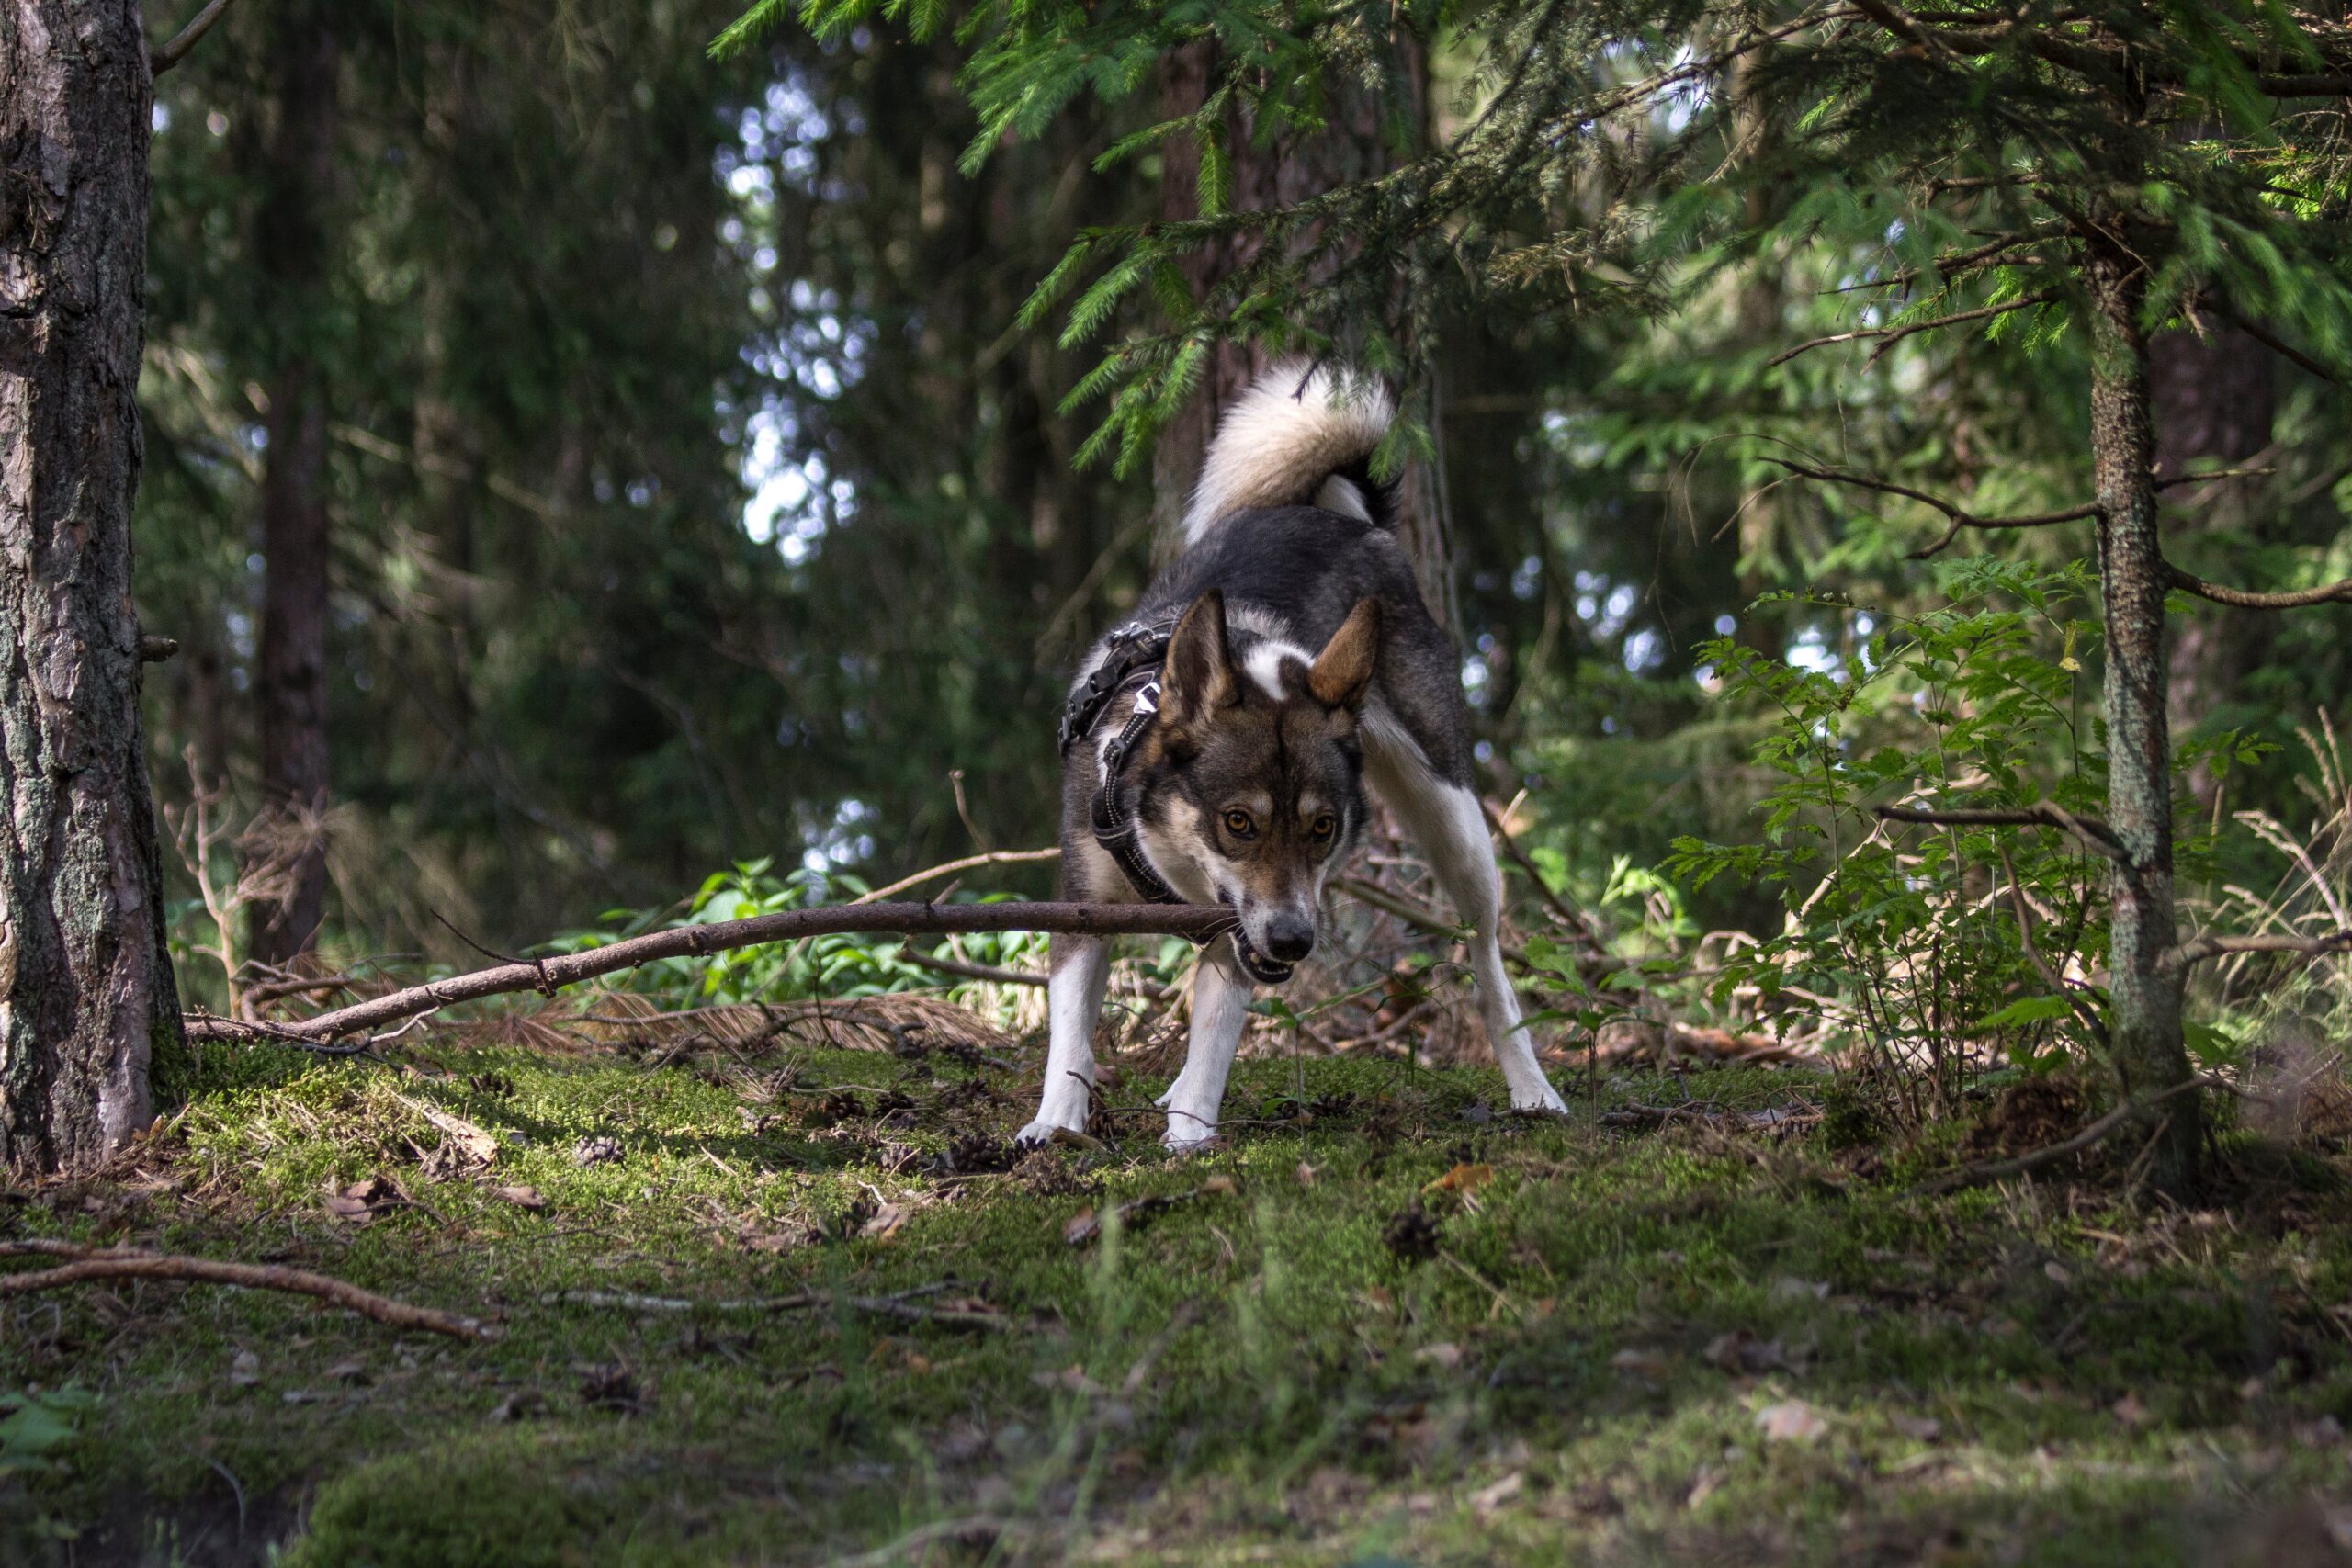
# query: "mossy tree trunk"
2145,1040
86,982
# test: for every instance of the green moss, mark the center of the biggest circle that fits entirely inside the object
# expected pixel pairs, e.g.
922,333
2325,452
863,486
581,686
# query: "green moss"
1250,1372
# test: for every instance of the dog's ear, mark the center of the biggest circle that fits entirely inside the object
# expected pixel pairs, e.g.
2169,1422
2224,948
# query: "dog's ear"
1198,680
1343,671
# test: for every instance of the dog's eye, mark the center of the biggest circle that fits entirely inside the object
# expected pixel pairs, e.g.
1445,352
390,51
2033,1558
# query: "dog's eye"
1323,827
1237,823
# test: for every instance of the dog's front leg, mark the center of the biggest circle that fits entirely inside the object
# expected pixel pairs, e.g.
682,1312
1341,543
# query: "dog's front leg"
1220,1006
1081,964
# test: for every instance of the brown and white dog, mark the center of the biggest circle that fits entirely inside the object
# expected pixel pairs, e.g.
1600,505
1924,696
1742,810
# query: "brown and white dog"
1216,748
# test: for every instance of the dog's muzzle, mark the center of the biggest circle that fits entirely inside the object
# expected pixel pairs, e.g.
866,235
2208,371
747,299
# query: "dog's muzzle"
1266,971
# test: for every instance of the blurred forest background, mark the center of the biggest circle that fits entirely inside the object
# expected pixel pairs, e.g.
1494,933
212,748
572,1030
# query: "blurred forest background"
681,488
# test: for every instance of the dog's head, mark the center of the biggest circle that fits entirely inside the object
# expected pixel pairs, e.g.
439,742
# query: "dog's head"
1254,788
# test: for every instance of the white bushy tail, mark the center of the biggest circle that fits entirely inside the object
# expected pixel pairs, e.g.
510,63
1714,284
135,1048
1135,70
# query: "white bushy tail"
1298,437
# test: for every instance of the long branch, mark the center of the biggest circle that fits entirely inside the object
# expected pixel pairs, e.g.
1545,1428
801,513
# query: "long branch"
168,55
1894,334
2293,599
549,974
91,1263
2204,947
2091,831
1961,516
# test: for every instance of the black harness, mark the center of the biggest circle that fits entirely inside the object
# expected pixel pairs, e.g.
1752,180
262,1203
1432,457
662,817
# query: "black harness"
1134,651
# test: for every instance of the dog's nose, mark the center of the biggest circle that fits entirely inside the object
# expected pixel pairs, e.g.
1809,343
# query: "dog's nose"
1289,937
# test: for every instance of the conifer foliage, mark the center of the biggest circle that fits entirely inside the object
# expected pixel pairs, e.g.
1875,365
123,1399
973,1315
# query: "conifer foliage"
2063,174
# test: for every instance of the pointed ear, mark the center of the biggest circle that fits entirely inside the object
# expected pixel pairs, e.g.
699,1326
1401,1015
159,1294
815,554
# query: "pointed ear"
1343,671
1197,678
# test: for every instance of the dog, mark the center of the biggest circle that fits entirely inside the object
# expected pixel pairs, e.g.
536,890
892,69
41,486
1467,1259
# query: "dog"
1216,748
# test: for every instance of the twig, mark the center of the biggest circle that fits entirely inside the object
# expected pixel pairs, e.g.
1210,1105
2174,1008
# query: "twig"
2294,599
1994,1170
162,59
994,857
1895,334
1574,920
2272,341
1961,516
1198,922
1415,914
125,1263
2205,947
972,971
2092,831
2049,976
900,1306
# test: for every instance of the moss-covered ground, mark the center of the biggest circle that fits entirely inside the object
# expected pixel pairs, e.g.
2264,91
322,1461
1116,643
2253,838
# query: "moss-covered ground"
1381,1326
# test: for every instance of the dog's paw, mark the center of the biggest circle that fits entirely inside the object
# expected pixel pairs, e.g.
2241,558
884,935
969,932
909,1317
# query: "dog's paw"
1548,1103
1041,1133
1188,1138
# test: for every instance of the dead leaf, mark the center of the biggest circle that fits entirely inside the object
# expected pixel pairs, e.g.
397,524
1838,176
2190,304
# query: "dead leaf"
1082,1228
885,1223
1218,1186
1788,1288
348,1371
363,1201
473,1145
1307,1174
1445,1354
1791,1421
1463,1178
521,1197
1918,1428
2131,1411
1486,1499
244,1370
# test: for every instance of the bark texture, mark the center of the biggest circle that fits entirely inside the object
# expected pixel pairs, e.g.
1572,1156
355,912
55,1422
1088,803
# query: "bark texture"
85,983
293,676
2150,1055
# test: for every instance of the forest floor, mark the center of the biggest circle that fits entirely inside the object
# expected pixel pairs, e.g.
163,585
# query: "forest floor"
1384,1325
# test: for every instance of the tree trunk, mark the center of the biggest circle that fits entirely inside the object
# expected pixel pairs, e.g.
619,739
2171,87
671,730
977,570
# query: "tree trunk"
86,982
2146,1043
1351,146
293,676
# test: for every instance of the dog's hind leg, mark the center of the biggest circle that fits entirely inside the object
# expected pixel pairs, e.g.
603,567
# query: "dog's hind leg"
1220,1007
1080,966
1446,822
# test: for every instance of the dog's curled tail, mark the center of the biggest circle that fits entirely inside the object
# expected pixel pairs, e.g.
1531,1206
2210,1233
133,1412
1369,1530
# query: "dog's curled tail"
1300,436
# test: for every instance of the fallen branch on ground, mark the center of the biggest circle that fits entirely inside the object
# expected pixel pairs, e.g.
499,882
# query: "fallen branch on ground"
901,1308
1196,921
88,1263
1994,1170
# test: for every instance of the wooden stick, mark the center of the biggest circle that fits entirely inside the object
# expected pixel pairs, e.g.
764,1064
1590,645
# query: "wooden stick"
125,1263
898,1307
1198,922
994,857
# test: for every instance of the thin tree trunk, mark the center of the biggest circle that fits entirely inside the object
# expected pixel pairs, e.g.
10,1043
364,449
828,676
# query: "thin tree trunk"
293,676
86,996
2146,1042
1354,145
